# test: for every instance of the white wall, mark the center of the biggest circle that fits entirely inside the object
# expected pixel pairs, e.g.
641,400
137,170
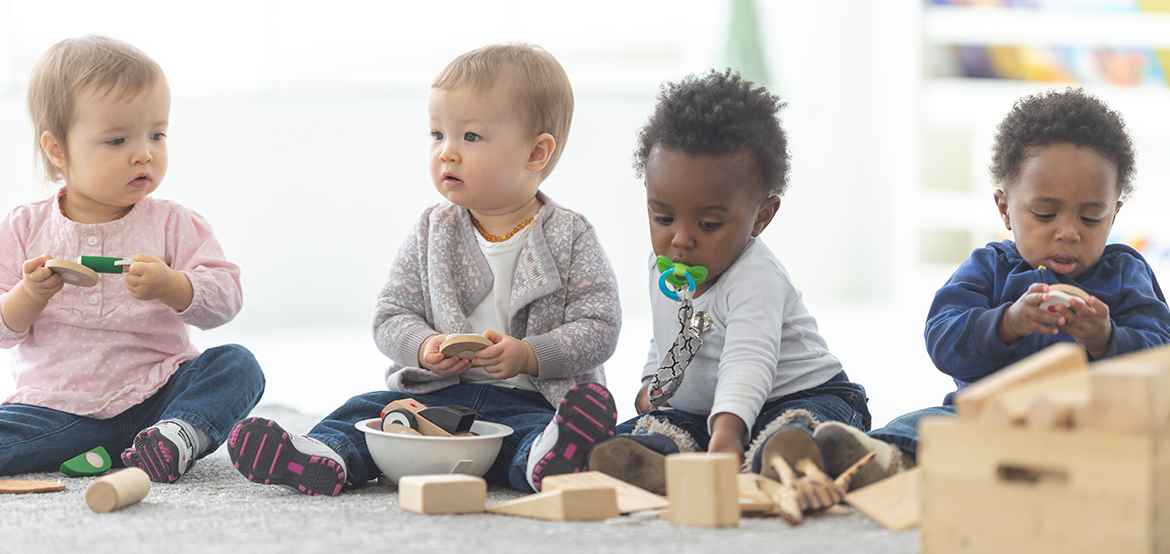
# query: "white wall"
299,131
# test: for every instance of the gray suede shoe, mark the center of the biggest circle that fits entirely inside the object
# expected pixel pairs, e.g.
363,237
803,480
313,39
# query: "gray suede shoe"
843,446
638,459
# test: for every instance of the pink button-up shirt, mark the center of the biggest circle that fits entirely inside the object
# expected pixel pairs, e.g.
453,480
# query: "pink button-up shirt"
97,351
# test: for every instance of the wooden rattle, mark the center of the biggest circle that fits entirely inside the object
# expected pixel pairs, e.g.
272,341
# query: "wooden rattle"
1060,294
117,490
84,274
73,273
463,345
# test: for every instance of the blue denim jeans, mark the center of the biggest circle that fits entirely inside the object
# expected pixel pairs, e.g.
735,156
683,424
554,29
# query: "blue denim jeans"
903,430
211,392
837,399
526,412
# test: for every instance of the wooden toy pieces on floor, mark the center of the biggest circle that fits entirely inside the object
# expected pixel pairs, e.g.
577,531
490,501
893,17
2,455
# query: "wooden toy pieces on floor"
94,462
813,490
117,490
584,504
702,489
84,274
464,345
410,417
442,494
25,486
1052,454
1059,295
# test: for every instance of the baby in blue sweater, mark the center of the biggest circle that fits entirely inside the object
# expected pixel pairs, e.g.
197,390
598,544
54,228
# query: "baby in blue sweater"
1063,165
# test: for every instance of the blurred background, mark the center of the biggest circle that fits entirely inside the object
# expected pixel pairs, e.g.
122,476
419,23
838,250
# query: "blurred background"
299,130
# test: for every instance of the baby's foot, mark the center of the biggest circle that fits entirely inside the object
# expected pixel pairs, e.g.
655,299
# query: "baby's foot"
844,445
586,416
164,451
638,458
267,454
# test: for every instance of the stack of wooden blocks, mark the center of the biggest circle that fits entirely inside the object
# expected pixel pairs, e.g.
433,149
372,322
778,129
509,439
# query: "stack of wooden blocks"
1053,454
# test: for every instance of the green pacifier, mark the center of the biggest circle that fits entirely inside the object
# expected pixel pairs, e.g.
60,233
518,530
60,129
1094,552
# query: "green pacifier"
679,275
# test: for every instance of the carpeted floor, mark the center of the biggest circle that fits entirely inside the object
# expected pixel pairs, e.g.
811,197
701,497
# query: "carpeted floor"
214,509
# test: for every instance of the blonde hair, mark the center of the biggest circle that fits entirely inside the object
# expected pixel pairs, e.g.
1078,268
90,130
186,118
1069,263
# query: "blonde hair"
536,79
74,65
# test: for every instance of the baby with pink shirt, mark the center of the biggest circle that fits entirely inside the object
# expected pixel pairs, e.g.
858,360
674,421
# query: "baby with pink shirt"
113,365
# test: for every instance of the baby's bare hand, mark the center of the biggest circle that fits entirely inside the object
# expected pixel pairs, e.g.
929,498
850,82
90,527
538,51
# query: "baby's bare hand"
38,281
506,357
1088,323
148,278
1025,316
434,361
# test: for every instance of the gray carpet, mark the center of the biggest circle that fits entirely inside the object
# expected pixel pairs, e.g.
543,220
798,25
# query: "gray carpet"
214,509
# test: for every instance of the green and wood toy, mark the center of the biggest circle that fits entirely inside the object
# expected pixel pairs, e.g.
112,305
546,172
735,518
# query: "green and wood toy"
94,462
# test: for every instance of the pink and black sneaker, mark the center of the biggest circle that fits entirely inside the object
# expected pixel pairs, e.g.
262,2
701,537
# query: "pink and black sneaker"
163,451
267,454
586,416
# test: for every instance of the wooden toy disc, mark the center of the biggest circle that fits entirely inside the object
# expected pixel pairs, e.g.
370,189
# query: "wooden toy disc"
19,486
73,273
1075,291
464,345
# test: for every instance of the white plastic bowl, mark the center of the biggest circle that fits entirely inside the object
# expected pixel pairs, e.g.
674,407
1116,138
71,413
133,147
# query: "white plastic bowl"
398,455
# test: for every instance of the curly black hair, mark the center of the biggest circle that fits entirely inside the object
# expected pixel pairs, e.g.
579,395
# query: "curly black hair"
719,113
1070,116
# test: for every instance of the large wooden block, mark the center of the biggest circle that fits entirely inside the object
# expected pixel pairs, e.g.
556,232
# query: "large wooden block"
1019,490
1055,360
1012,406
563,505
630,498
896,503
442,494
702,489
1129,398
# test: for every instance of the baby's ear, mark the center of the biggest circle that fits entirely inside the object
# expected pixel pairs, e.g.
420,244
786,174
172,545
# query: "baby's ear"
53,149
768,210
541,152
1001,204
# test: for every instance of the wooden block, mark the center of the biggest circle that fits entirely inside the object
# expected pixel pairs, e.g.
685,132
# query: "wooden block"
463,345
1054,360
563,505
1129,398
425,426
73,273
630,498
1019,490
702,489
442,494
1159,356
1059,409
896,503
23,486
756,493
117,490
1011,406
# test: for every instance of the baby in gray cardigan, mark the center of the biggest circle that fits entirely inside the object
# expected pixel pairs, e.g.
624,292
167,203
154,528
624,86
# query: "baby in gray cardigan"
498,258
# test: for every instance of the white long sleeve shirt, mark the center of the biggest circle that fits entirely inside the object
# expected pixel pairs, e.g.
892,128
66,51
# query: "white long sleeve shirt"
763,343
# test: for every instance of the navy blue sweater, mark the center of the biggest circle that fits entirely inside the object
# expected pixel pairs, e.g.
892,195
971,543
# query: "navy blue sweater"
960,330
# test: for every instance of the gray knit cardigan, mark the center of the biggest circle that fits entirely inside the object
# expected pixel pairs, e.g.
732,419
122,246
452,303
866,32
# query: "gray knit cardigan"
564,298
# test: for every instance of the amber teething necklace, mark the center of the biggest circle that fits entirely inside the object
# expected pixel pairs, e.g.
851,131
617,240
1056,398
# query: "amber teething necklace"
499,238
61,206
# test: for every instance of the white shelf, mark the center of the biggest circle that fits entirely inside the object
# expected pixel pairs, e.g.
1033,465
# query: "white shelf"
1044,27
976,102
